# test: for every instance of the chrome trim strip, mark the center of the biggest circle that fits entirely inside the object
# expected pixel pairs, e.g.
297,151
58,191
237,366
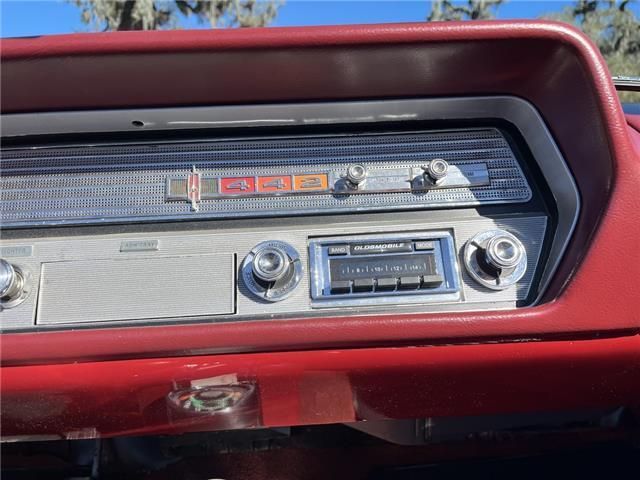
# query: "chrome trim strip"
627,83
111,193
517,111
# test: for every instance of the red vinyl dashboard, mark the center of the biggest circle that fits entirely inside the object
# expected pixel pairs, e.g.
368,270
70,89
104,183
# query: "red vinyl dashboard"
579,348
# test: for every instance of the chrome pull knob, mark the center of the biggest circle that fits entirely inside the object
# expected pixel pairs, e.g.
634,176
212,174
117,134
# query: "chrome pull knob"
503,252
356,174
270,264
495,259
272,270
11,281
436,170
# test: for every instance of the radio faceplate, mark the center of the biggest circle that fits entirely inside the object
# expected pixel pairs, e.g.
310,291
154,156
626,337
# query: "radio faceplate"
381,269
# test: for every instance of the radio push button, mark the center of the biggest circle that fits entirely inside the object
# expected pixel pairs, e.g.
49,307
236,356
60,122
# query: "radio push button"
334,250
409,283
431,281
386,284
363,285
338,287
424,245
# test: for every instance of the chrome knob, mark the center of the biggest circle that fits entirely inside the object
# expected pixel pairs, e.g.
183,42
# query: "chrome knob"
11,281
356,174
270,264
272,270
495,259
436,170
503,252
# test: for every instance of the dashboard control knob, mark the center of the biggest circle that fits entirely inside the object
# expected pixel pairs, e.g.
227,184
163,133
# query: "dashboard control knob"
503,252
270,264
11,281
495,259
356,174
272,270
436,170
12,285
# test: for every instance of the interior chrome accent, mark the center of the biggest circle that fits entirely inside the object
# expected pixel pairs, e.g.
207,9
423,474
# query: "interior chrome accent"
10,281
495,259
183,281
626,82
272,270
437,170
15,285
211,399
529,225
256,177
514,110
356,174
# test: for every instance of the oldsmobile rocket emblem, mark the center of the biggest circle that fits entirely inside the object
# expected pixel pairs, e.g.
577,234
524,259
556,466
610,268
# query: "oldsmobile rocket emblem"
191,188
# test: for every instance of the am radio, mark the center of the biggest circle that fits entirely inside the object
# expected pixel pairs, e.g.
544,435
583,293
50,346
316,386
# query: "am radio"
416,267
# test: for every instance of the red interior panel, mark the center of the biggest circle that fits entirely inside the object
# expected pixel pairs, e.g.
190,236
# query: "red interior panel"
548,64
300,388
114,381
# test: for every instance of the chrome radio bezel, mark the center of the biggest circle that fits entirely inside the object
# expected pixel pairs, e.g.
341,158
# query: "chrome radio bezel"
446,262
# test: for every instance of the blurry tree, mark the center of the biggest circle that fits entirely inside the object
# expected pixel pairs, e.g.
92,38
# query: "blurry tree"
109,15
445,10
611,24
613,27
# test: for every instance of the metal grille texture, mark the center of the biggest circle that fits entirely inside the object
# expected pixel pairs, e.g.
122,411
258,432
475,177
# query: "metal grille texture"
127,183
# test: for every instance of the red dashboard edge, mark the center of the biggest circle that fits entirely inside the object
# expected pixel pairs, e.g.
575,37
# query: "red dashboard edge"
130,397
578,102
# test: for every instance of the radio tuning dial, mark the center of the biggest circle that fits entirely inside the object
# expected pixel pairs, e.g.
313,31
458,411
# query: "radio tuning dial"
436,170
356,174
495,259
272,270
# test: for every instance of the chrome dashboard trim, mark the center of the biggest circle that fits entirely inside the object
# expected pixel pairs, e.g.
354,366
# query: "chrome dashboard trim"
239,240
126,183
512,109
627,82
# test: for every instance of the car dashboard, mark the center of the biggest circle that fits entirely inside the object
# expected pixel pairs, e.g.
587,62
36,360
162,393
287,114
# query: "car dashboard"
320,226
446,217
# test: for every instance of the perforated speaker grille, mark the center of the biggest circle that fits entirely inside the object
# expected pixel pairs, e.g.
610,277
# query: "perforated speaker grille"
119,183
